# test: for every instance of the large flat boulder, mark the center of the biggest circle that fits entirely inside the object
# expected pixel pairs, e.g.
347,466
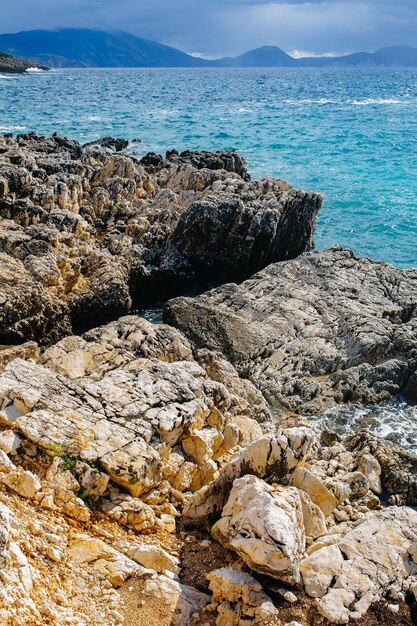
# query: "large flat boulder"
321,329
131,399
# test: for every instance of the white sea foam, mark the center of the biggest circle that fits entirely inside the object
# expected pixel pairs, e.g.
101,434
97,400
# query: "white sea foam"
96,118
35,70
377,101
310,101
11,129
395,420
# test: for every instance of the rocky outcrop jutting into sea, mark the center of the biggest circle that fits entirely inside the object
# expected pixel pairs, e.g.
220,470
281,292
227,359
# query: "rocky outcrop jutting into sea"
10,64
324,328
87,233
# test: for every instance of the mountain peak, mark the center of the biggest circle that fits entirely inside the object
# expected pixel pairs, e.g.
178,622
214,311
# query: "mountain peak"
84,47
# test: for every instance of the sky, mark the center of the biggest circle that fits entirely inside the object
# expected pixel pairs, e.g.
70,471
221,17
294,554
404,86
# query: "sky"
214,28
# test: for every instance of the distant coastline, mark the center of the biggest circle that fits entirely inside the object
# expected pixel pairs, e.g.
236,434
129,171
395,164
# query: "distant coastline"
10,64
84,48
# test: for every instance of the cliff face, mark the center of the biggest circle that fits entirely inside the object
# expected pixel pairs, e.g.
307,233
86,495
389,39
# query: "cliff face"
15,65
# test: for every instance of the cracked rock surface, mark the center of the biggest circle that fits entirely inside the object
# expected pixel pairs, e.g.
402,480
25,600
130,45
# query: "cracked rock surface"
87,232
322,329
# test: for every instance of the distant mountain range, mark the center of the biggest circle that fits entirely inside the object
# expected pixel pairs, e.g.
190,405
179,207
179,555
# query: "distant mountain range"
69,47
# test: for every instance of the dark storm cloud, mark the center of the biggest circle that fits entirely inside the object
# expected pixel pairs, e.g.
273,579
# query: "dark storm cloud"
216,27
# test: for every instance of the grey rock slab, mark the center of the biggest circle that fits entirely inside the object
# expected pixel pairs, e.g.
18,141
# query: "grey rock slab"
321,329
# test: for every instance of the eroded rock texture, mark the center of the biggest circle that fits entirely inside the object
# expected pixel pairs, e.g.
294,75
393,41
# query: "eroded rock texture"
87,232
324,328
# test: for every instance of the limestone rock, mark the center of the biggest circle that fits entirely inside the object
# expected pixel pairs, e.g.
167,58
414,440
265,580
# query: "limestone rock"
61,477
92,481
239,598
227,233
28,350
109,562
322,329
89,231
154,557
185,602
24,482
360,569
129,403
136,467
272,457
370,467
264,525
398,467
9,441
129,511
305,480
313,517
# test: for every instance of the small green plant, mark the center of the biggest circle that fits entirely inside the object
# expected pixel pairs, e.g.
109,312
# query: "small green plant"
119,207
83,495
68,462
55,450
99,399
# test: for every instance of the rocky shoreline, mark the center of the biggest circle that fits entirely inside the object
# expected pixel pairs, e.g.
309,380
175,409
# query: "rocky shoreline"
166,474
15,65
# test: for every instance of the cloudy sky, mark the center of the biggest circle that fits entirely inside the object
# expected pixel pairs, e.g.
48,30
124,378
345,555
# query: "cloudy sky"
219,27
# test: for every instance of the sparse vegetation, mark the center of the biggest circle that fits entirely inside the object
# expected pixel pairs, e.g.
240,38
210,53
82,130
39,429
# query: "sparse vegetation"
68,461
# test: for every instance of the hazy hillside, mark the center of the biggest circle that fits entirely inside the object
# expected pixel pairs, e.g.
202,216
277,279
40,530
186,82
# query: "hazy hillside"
272,56
267,56
88,48
68,47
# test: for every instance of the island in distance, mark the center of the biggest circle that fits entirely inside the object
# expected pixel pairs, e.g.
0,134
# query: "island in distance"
70,47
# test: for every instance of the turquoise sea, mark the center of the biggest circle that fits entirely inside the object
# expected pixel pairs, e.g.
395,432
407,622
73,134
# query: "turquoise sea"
350,134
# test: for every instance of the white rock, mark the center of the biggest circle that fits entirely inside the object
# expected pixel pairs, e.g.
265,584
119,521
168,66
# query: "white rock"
60,477
22,481
264,525
319,569
311,484
239,597
183,600
9,441
369,466
313,517
154,557
106,560
349,576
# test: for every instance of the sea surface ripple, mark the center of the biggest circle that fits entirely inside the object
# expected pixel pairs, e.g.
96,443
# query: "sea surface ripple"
350,134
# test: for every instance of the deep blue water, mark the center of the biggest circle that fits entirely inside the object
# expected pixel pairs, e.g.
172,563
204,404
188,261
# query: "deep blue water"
350,134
